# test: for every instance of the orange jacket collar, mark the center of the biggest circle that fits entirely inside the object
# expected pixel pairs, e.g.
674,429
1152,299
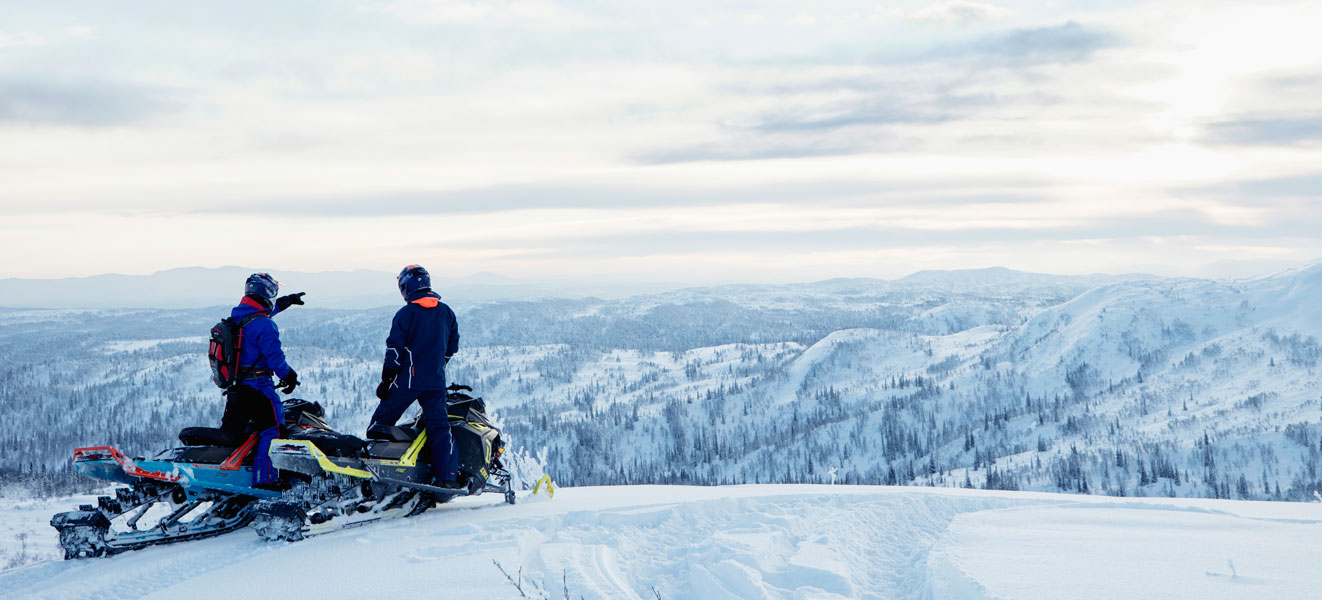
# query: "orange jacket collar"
427,302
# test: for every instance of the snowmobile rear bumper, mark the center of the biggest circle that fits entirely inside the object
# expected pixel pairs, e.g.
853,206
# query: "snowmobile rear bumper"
108,463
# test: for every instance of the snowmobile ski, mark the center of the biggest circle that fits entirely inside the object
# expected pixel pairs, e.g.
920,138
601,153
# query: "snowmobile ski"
545,480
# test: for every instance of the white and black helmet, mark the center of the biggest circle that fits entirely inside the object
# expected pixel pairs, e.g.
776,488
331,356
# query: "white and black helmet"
261,285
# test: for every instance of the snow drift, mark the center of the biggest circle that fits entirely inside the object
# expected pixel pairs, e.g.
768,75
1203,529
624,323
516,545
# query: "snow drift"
759,541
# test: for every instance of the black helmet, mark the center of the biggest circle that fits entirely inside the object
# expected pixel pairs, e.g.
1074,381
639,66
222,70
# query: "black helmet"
261,285
412,279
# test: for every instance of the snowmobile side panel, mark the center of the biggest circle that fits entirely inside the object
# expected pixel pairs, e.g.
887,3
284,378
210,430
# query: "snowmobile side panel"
308,448
108,463
474,443
387,450
410,458
305,448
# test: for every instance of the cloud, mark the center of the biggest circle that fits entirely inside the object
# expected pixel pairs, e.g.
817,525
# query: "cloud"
625,198
872,123
1284,130
1255,191
530,14
759,150
881,109
10,40
1067,43
898,100
959,12
84,103
1304,85
83,32
505,198
1190,228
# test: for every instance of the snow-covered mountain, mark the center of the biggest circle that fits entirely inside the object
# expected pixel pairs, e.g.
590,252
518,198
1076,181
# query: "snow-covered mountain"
1098,384
717,543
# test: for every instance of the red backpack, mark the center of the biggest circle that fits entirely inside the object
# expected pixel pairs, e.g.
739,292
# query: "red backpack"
224,348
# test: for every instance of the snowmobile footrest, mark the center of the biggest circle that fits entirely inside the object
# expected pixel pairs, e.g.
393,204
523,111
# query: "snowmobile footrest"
419,486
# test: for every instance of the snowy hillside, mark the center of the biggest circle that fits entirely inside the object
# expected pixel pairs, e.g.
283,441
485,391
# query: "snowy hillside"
992,379
765,541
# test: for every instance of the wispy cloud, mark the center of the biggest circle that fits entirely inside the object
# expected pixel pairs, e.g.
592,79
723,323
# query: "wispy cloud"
530,14
959,12
44,100
624,198
878,109
84,32
1066,43
1274,130
11,40
1258,192
886,104
736,150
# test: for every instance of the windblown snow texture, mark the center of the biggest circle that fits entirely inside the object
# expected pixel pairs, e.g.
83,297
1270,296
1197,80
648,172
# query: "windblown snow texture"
767,541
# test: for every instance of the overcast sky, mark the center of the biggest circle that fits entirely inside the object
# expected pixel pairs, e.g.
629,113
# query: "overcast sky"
683,141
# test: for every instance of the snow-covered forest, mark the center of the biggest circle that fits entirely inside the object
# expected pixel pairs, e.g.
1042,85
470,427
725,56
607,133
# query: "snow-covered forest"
993,378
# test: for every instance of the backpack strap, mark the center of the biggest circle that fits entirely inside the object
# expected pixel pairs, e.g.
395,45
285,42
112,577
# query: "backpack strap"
238,347
248,319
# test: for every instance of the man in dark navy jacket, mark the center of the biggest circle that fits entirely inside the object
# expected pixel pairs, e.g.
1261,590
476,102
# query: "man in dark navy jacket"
423,337
251,404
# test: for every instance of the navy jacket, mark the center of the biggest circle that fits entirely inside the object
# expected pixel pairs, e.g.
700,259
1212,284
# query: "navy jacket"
423,337
261,342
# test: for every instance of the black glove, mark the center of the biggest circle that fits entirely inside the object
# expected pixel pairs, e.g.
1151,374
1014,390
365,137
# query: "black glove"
387,378
284,302
288,382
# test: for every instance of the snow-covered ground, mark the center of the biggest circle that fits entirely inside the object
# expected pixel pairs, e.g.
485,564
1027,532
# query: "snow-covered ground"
756,541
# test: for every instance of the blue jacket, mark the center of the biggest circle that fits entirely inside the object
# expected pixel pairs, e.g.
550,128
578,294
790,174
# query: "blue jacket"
261,342
423,337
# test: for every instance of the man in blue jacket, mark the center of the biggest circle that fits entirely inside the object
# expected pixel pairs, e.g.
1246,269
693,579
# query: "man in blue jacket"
251,404
423,337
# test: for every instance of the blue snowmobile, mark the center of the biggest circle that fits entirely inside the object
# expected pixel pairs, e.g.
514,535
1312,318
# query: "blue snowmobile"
201,489
327,481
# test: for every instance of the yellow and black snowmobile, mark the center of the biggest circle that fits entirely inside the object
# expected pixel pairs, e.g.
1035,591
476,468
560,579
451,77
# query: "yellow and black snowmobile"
387,478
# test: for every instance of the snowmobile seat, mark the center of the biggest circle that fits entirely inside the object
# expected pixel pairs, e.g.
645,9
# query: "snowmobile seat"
207,455
390,433
207,436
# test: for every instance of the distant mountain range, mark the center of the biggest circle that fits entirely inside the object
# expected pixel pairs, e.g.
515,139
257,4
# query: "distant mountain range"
200,287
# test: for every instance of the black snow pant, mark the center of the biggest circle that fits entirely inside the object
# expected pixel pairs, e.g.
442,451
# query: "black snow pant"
246,410
435,414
